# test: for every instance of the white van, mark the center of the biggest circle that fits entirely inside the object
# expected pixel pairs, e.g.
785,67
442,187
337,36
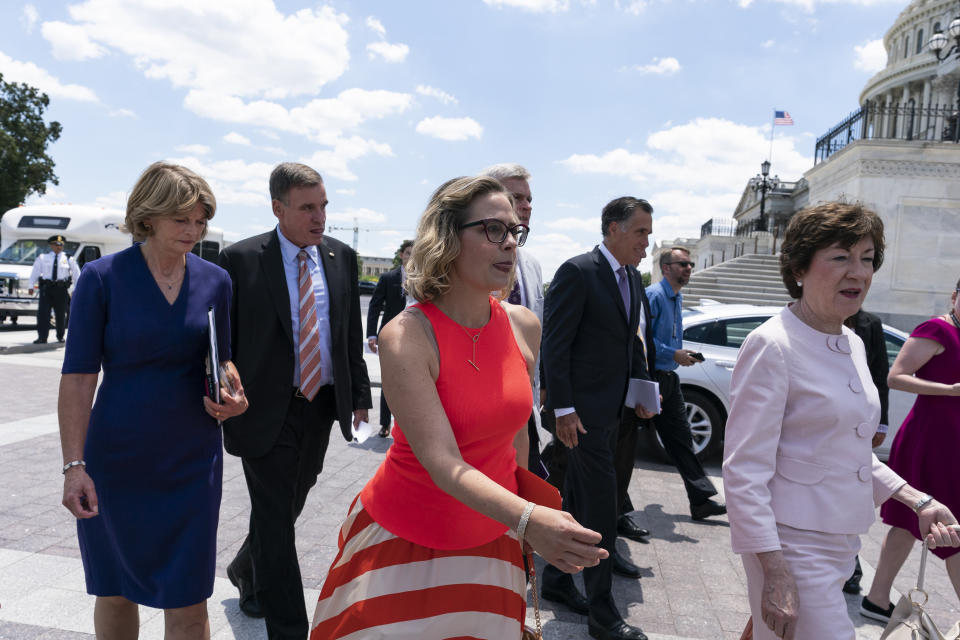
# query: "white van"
90,232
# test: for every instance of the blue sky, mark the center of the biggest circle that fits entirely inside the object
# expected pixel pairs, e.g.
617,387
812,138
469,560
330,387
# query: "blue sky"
669,100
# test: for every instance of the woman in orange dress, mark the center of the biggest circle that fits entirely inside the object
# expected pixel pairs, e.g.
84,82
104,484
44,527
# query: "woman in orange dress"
430,546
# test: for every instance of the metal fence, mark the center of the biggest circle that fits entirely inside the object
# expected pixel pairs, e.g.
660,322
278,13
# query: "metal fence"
907,121
718,227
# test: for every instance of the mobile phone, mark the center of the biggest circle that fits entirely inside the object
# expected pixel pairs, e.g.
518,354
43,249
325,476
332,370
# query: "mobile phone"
697,356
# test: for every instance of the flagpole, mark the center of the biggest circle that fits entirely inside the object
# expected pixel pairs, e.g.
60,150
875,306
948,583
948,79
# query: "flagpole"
772,125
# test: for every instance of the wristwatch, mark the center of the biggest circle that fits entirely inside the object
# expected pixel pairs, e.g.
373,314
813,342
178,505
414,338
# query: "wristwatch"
922,502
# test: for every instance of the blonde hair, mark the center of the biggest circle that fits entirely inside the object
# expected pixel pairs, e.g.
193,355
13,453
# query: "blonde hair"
438,235
165,190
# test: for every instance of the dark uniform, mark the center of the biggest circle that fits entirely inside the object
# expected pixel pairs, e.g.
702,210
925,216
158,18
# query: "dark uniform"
54,272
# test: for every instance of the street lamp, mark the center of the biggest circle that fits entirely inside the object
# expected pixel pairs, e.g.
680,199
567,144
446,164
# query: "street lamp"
763,184
938,42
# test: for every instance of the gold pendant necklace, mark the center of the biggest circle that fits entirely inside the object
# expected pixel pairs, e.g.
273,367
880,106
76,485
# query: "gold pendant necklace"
473,339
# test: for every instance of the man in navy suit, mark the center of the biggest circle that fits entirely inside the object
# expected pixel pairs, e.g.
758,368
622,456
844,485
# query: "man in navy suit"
389,298
283,438
591,319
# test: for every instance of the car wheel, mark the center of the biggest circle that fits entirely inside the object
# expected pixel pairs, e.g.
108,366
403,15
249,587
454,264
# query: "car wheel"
706,426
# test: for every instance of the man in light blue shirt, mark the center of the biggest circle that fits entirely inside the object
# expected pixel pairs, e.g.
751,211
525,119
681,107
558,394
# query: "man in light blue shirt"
671,424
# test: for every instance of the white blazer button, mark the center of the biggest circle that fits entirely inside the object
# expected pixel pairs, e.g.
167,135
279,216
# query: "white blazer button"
865,473
855,385
865,430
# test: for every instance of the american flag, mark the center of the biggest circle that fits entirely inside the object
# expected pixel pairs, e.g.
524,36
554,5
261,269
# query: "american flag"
782,118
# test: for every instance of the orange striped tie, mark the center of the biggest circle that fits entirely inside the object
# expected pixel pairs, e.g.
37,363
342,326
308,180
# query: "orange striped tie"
309,333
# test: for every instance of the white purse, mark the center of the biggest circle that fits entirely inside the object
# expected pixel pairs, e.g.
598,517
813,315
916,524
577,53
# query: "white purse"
910,621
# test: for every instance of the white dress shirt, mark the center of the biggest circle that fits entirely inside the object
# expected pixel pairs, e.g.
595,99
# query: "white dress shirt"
43,268
291,269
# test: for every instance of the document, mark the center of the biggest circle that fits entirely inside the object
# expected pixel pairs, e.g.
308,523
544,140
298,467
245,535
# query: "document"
361,432
646,393
213,359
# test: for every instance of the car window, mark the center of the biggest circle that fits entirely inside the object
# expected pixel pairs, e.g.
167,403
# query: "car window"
894,344
706,333
738,329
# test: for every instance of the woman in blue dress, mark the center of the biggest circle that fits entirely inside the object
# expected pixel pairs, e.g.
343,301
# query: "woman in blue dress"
143,464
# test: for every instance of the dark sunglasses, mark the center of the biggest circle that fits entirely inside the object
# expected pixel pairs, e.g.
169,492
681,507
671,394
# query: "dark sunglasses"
497,230
682,263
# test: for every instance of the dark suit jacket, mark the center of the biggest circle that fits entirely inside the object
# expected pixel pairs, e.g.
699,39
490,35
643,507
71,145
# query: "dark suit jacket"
263,341
387,297
870,329
588,338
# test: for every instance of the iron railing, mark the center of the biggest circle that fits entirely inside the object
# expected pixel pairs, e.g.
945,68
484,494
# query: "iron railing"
907,121
718,227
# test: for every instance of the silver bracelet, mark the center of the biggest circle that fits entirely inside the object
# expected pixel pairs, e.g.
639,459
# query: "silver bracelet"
524,519
922,502
74,463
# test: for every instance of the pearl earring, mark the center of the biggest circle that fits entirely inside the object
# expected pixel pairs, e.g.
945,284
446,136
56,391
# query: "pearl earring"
799,284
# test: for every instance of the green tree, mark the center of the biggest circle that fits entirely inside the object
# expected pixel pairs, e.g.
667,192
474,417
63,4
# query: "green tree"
25,167
646,277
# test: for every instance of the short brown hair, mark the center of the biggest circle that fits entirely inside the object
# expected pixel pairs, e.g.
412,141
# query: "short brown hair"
823,225
165,189
288,175
669,254
438,234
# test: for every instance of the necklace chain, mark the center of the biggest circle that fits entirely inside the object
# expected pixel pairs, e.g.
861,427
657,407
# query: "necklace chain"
473,338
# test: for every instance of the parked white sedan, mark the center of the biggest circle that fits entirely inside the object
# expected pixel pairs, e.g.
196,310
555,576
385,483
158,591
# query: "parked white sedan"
717,331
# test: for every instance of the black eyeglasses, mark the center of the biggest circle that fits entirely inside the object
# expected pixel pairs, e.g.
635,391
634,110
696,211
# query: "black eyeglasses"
682,263
497,230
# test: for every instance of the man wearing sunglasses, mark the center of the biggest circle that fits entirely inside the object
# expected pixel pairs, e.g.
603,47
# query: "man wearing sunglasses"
671,424
527,291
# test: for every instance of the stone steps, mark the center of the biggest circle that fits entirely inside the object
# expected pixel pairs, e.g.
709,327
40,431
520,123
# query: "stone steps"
749,279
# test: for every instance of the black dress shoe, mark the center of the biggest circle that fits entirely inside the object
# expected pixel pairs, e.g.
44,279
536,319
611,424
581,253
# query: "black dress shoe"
706,509
568,597
627,528
39,341
248,599
619,630
623,567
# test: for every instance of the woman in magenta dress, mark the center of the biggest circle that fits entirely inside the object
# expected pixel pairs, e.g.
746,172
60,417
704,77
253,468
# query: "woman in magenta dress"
925,450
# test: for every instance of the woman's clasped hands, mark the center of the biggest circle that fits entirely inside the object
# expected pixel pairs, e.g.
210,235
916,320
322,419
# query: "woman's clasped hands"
231,403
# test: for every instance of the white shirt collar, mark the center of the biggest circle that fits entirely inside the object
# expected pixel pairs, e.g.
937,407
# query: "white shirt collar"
614,264
289,250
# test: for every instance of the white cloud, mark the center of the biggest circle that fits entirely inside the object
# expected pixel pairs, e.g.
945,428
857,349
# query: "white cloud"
633,7
659,66
347,192
698,170
376,26
239,48
195,149
810,5
870,56
552,249
388,52
112,200
360,215
333,162
233,181
452,129
534,6
122,113
70,42
28,72
322,120
766,44
433,92
235,138
589,225
29,17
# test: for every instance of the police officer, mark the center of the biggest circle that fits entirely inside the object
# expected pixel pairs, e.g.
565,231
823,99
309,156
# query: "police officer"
55,272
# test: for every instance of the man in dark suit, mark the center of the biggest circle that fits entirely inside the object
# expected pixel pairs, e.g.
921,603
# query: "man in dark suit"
389,298
297,342
591,318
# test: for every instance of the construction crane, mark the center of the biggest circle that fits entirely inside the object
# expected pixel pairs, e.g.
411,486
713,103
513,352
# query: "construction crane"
356,232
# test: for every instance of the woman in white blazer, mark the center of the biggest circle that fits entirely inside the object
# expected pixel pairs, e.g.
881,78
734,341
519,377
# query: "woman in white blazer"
799,475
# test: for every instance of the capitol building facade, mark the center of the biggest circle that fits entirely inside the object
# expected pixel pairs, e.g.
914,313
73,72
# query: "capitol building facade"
898,153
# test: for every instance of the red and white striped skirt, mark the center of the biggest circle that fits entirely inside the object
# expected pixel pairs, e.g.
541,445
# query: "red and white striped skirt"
382,586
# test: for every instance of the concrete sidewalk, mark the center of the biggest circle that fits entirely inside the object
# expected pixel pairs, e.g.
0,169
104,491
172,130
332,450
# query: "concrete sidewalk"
693,585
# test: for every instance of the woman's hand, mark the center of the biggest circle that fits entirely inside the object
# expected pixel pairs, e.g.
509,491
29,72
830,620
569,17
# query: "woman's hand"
779,601
936,519
79,494
561,541
231,404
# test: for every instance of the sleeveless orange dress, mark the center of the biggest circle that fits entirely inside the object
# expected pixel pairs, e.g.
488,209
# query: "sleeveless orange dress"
412,560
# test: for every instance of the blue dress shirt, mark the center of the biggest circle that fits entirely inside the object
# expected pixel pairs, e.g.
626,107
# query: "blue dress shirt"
667,323
291,269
